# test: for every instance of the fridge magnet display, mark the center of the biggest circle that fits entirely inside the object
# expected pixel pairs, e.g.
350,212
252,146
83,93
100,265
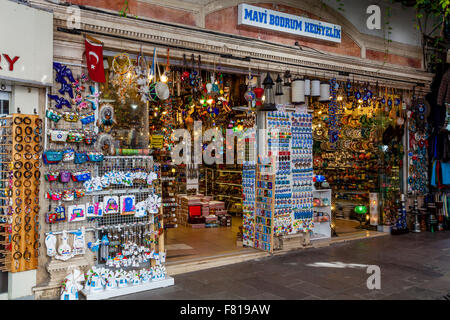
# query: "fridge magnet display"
127,204
77,212
111,204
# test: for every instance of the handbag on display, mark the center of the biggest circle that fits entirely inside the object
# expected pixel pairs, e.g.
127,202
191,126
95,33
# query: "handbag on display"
87,118
75,137
51,176
55,116
81,176
80,158
52,157
58,135
95,156
64,176
68,155
71,116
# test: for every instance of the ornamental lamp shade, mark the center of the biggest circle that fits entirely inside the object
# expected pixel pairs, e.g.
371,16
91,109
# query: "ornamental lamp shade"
258,94
361,209
307,87
324,92
298,91
315,88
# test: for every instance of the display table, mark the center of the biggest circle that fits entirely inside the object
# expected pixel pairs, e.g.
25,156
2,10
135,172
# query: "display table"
106,294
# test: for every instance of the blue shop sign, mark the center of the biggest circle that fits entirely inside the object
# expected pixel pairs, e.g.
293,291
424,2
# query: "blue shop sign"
274,20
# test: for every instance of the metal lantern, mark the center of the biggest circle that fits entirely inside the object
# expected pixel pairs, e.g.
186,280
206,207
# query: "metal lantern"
269,102
279,86
298,91
287,78
315,88
324,92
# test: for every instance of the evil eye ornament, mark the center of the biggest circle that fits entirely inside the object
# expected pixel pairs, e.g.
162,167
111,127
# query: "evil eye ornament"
358,95
390,102
53,115
60,101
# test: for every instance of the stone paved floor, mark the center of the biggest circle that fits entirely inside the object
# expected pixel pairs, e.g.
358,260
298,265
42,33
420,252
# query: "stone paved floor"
413,266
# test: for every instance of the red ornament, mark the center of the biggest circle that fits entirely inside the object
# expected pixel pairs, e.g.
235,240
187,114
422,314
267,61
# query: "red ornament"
259,93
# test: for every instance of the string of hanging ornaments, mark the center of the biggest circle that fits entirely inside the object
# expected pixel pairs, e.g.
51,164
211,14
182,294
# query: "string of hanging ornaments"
123,79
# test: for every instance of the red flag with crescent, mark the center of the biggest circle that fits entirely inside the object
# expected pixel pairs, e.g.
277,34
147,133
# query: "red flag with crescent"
94,59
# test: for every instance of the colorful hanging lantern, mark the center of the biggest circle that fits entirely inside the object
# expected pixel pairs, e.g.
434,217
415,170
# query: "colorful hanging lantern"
258,93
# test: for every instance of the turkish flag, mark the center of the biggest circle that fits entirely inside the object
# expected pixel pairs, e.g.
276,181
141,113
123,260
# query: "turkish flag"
94,59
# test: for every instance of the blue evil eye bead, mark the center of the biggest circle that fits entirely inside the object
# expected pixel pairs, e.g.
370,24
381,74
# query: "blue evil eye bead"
397,101
383,101
348,85
358,95
389,102
369,94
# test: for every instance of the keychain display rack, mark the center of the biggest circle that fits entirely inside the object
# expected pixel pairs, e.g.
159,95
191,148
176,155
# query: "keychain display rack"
264,207
150,225
248,218
5,209
22,147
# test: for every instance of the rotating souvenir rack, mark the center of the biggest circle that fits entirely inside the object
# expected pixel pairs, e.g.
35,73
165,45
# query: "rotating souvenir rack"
264,207
22,147
290,142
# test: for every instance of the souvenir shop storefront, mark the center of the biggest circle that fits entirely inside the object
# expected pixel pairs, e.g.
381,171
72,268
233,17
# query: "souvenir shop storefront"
25,72
318,153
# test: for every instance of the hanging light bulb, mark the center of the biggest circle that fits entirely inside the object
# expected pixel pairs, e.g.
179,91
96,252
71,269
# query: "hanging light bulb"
269,101
164,78
278,86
